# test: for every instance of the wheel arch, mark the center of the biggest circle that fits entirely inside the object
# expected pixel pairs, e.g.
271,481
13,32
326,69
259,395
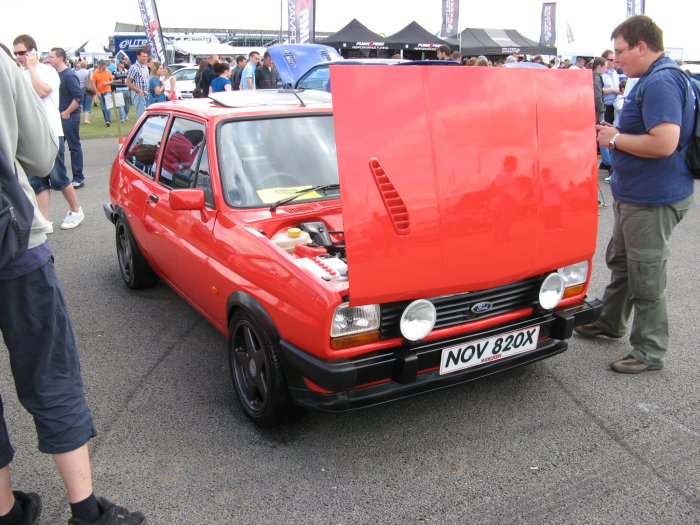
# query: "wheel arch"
242,300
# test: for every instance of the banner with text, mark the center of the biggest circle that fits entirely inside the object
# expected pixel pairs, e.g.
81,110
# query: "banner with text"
151,22
548,31
635,7
450,18
302,22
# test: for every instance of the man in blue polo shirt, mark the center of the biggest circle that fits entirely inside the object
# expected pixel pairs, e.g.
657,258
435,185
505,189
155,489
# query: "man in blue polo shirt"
653,190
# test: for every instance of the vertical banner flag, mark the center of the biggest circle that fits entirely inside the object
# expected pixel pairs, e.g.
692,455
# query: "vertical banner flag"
151,23
302,22
450,18
548,31
635,7
569,34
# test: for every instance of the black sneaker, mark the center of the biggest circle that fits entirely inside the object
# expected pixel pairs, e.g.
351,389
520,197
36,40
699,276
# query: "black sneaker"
108,124
31,505
111,514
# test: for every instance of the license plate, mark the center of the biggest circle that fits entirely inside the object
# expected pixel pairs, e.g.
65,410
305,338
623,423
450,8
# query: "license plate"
482,351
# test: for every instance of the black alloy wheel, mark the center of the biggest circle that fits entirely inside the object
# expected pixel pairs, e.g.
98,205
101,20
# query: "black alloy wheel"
135,270
255,371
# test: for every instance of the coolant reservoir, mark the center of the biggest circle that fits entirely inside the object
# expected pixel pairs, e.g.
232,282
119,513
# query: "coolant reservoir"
288,239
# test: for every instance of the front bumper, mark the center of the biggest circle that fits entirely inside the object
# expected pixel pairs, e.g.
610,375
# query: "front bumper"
109,211
413,369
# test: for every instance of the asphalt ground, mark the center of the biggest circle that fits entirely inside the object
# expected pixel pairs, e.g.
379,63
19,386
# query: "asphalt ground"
565,440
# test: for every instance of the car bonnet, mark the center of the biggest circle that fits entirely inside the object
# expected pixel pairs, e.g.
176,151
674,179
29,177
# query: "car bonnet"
293,60
457,179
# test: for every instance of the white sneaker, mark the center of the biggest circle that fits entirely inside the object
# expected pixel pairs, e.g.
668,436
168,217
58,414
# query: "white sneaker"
73,219
49,227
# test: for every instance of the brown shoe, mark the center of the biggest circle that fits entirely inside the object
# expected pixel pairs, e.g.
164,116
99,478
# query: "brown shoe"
591,330
630,365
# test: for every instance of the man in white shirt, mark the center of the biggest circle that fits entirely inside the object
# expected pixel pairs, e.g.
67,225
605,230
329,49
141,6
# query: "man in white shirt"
46,82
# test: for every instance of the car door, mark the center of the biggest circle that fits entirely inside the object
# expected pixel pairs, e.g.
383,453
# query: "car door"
182,238
140,164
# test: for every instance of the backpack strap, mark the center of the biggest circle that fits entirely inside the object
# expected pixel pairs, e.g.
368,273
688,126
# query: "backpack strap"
667,65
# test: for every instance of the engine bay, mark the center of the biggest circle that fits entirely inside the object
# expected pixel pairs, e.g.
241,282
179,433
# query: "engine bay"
315,248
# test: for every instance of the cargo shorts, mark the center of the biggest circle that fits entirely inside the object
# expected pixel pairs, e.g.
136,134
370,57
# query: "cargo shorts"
44,360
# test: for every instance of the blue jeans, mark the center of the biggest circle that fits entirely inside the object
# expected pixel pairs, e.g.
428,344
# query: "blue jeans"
87,101
139,103
105,111
605,155
71,132
124,110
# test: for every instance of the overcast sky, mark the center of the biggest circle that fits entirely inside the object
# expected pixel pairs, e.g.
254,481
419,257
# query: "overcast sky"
69,23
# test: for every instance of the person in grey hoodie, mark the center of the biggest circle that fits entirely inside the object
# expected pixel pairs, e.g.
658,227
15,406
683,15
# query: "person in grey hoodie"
38,333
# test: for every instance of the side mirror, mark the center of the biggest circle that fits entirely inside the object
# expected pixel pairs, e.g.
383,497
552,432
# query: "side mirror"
187,199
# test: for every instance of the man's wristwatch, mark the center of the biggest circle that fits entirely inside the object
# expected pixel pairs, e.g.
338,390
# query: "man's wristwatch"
613,140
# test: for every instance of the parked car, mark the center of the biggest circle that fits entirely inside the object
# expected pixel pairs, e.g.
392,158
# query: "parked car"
184,83
180,65
306,66
367,249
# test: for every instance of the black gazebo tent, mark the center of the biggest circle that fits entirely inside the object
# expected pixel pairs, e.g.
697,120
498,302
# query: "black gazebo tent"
415,37
476,41
355,36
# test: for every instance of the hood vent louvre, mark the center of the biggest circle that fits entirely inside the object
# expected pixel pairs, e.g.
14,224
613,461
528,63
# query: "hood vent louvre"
398,213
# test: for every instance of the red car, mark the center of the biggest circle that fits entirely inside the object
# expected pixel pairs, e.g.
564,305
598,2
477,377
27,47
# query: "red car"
426,228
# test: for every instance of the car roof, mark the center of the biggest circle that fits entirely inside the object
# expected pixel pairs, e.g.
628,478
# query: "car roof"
245,103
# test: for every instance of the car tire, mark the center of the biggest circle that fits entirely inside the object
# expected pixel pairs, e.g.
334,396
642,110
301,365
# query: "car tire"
256,372
135,270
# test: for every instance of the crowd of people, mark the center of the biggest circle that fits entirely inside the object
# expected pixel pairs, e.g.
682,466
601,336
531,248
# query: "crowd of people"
216,74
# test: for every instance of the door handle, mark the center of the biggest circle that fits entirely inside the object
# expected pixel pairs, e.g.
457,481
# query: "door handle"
153,197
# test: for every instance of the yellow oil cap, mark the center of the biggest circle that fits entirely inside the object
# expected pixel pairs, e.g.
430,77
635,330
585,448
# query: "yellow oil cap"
293,232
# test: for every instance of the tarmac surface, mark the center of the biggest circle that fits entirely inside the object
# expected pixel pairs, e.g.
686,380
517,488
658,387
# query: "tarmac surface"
565,440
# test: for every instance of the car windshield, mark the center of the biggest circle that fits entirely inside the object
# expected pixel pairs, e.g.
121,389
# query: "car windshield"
264,161
185,74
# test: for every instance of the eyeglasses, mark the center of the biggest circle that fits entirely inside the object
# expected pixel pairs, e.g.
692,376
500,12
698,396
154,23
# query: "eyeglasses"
618,53
609,59
21,53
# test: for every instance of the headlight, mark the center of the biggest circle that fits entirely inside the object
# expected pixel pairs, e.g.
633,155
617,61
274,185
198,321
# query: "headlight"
551,291
348,320
418,320
575,278
574,274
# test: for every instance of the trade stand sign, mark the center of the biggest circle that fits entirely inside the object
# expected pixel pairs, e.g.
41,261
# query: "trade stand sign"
367,45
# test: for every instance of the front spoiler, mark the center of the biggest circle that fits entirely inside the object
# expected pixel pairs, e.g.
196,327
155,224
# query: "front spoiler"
397,370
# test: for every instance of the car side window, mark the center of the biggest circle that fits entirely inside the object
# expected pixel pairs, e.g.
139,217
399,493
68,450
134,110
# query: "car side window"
203,178
181,153
317,79
143,151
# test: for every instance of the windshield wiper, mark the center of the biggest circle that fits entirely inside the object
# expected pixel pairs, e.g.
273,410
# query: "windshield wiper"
321,187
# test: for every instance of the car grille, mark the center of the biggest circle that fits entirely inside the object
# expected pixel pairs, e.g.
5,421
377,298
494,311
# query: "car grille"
455,309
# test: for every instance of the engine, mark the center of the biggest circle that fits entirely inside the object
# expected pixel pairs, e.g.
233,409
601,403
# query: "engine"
323,256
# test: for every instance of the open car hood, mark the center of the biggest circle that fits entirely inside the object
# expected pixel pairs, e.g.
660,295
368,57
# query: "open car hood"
293,60
461,179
